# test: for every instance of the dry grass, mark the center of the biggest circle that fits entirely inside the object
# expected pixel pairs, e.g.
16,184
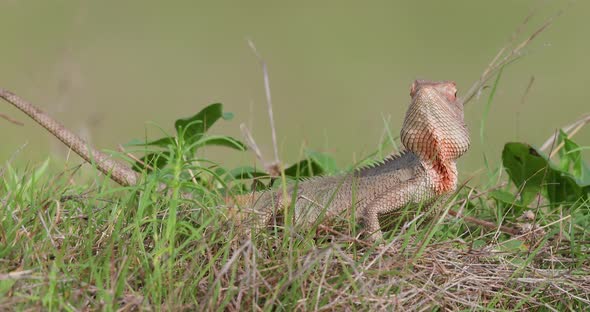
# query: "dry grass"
89,252
447,275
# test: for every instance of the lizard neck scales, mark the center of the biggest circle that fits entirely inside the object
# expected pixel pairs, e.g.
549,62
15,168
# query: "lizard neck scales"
435,131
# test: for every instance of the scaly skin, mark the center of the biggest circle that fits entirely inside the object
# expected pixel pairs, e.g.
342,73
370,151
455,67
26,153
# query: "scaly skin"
116,171
434,135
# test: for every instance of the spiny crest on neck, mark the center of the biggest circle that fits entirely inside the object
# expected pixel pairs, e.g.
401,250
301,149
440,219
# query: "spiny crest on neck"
392,162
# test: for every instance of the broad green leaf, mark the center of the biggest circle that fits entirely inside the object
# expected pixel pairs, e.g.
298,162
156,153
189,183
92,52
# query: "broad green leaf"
564,160
304,168
221,140
325,161
562,187
156,160
162,142
193,128
247,172
526,168
503,196
532,173
574,153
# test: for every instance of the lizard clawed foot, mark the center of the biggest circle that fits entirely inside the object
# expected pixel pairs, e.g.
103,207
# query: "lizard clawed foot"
375,237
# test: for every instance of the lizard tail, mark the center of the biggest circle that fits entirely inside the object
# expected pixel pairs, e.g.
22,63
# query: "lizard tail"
117,172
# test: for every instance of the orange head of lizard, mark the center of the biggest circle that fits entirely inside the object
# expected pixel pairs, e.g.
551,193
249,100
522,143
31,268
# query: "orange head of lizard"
434,125
435,131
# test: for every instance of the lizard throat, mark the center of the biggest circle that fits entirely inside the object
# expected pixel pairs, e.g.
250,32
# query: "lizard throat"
444,176
440,164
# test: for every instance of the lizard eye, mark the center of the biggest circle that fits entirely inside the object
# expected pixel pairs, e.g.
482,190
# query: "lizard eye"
452,95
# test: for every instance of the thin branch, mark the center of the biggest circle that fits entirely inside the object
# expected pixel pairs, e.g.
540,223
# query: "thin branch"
138,160
17,275
570,130
268,99
487,224
14,121
498,61
527,90
251,143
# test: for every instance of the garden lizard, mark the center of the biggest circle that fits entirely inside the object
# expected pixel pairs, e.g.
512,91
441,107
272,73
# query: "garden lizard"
434,135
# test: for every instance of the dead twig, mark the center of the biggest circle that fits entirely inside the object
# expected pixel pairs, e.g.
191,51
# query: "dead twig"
10,119
128,154
570,130
273,168
527,90
487,224
501,59
17,275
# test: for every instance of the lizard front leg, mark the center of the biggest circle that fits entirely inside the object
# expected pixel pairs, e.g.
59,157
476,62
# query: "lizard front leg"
393,200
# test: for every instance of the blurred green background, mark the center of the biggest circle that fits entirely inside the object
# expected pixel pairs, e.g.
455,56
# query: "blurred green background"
340,70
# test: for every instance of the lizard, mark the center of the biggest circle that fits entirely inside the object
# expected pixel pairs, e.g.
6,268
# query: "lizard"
434,136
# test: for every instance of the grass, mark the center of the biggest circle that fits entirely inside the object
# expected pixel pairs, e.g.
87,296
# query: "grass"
70,246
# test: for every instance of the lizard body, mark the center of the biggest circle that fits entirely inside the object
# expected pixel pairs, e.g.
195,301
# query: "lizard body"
434,135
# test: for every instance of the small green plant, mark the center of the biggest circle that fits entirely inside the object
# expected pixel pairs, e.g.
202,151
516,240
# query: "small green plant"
565,183
192,132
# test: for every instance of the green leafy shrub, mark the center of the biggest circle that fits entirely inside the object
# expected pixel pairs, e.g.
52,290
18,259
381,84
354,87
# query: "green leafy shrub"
564,183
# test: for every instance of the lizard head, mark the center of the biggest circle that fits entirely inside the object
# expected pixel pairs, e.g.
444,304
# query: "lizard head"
434,125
